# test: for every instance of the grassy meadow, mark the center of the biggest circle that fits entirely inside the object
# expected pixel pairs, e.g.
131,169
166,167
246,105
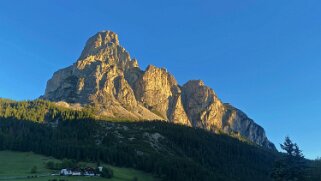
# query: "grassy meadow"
16,166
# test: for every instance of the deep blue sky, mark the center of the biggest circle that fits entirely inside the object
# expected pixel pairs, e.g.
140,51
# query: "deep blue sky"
262,56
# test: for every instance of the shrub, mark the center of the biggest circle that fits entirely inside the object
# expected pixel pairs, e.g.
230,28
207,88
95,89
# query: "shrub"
33,169
107,172
50,165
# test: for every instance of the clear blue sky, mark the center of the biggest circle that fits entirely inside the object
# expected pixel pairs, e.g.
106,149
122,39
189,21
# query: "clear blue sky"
262,56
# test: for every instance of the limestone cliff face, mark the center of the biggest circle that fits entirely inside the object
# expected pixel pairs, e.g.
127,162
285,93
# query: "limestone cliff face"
203,107
158,91
106,77
238,122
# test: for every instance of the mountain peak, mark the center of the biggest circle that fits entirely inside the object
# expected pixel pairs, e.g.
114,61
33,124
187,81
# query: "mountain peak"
105,76
104,48
105,37
99,41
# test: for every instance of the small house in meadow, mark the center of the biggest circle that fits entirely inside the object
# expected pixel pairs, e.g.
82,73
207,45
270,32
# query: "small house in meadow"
65,172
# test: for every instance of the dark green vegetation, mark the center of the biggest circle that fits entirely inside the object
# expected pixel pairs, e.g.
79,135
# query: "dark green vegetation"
169,151
293,167
107,173
40,111
314,170
15,166
172,152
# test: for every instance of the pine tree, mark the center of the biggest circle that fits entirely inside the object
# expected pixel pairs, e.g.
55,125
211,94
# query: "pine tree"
291,167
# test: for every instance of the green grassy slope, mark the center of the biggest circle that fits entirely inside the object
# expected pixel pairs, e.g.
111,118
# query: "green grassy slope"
17,165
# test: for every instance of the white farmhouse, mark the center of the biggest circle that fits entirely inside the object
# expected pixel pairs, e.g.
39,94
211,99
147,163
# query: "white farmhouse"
65,172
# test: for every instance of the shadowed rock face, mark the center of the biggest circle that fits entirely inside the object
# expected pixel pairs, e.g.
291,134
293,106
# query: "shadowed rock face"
105,76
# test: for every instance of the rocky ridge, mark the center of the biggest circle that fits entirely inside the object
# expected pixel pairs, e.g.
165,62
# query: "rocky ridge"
106,77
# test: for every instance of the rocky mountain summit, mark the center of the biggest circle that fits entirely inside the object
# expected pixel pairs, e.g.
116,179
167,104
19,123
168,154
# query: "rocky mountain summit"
106,77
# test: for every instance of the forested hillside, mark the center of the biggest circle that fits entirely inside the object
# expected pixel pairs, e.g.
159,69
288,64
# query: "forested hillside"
169,151
172,152
41,111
